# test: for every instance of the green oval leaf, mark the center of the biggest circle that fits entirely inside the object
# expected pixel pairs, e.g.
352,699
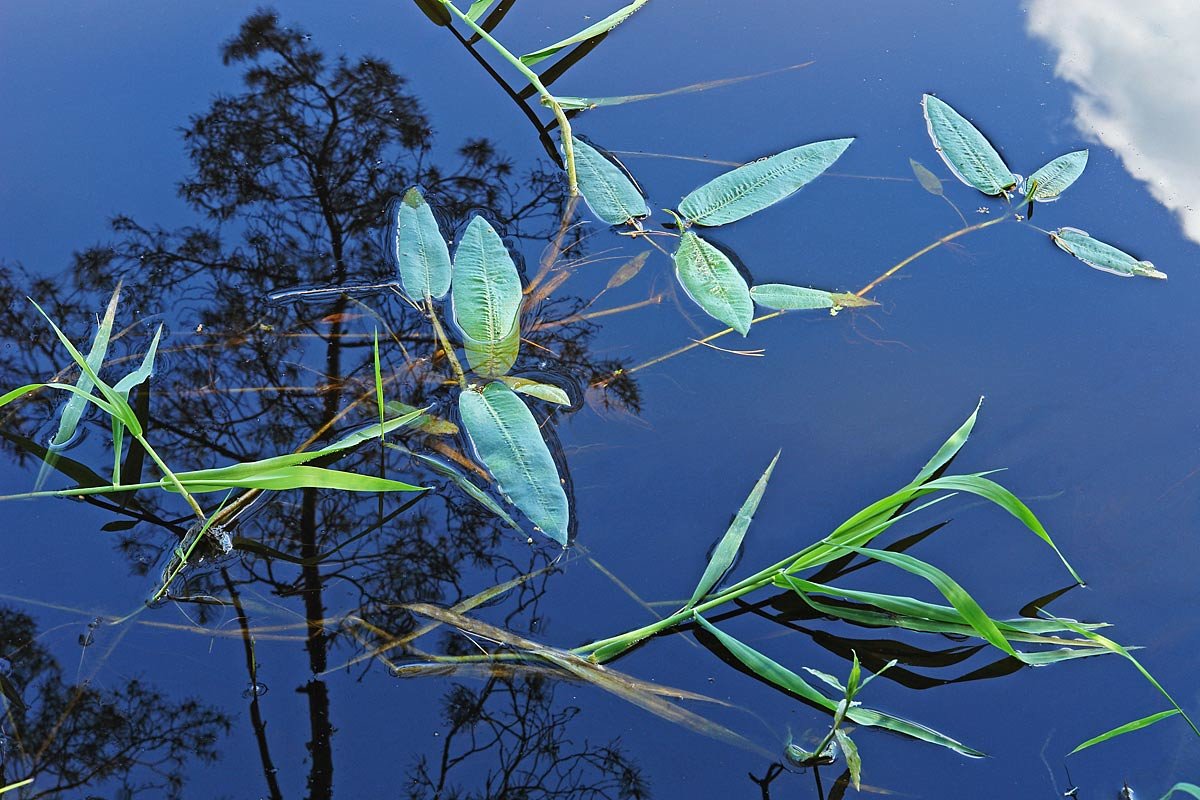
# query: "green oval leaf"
1048,183
711,279
609,192
784,297
754,186
507,440
1104,257
487,298
542,391
416,247
966,151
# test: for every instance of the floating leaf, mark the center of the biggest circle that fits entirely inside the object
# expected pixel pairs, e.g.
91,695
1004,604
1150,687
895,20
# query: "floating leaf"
609,192
711,279
966,151
1128,727
785,297
791,682
542,391
627,271
416,247
603,26
727,549
1048,183
754,186
1185,788
853,760
1104,257
508,442
487,298
929,182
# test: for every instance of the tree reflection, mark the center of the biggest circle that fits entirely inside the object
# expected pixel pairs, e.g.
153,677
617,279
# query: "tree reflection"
290,178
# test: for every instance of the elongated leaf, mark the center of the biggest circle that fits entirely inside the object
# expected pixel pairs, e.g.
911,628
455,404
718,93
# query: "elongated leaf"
507,440
789,298
754,186
609,192
1185,788
627,271
427,423
595,29
1099,255
452,473
583,103
966,151
1128,727
416,247
929,182
1048,183
478,9
295,477
789,681
949,448
10,787
853,760
713,282
727,549
542,391
486,287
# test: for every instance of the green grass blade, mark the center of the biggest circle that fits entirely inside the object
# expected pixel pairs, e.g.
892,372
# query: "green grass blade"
950,448
16,785
21,391
378,382
1128,727
95,358
294,477
727,549
595,29
853,760
951,590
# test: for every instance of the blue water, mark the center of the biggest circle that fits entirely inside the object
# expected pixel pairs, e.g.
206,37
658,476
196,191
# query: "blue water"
1089,382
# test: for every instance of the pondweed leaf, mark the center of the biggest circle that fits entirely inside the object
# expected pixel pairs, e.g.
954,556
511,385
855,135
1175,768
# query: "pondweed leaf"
789,681
1048,183
416,247
542,391
727,549
609,192
929,182
603,26
711,279
966,151
507,440
1104,257
754,186
1128,727
785,297
487,298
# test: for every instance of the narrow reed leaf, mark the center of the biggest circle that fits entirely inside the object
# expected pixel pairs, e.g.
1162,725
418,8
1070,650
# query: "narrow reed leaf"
417,248
713,282
453,474
727,549
508,442
542,391
1184,788
853,760
595,29
966,151
949,448
424,422
73,410
378,382
759,184
1102,256
478,9
1048,183
826,678
294,477
609,192
1128,727
10,787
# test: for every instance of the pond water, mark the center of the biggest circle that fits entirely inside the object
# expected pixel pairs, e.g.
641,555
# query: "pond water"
209,156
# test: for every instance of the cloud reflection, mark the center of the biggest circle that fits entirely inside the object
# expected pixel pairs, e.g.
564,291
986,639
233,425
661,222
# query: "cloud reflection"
1135,71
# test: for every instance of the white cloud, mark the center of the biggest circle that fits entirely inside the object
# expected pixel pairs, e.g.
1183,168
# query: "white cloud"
1136,69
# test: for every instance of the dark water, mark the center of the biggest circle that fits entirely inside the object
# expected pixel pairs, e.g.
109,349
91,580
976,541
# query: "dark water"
1090,385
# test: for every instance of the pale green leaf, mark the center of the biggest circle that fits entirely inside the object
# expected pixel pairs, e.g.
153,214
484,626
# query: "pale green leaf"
595,29
966,151
487,299
609,192
853,760
294,477
1099,255
508,442
792,298
713,282
1185,788
929,182
542,391
727,549
1048,183
492,358
416,247
426,423
754,186
478,9
1128,727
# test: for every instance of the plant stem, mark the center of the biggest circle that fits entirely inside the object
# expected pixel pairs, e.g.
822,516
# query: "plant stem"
548,100
446,348
191,501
